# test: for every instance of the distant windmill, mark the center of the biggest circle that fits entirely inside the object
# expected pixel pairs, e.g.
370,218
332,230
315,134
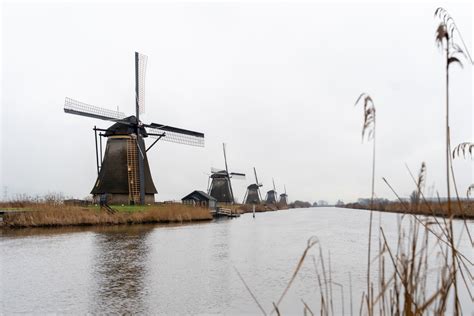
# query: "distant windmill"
271,197
252,196
221,187
284,198
124,174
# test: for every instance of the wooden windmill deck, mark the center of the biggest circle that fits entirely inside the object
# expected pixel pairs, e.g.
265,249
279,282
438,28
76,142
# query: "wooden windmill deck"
224,212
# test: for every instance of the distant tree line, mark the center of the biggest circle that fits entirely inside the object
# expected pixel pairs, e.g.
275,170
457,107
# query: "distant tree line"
299,204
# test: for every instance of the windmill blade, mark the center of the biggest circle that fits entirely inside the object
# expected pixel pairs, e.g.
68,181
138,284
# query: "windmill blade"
140,72
80,108
256,178
176,135
255,172
227,172
237,175
225,158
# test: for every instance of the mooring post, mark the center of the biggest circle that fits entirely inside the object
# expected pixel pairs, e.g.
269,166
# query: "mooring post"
253,209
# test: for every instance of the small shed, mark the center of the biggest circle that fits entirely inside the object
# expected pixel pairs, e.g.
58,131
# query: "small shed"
200,198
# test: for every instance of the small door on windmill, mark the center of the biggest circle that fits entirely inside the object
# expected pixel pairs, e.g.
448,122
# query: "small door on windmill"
103,199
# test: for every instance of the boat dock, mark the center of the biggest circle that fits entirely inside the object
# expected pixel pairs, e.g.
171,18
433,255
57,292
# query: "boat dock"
227,212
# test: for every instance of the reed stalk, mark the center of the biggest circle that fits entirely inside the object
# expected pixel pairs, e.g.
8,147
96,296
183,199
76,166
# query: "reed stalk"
368,129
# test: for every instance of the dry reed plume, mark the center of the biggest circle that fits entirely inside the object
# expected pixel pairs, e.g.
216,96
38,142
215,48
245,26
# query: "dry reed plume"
467,150
368,130
464,148
446,35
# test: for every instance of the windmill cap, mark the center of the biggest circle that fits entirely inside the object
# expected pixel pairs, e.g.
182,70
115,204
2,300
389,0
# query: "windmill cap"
125,126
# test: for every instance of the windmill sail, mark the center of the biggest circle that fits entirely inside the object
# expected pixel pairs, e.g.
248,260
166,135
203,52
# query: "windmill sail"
237,175
256,178
176,135
140,72
80,108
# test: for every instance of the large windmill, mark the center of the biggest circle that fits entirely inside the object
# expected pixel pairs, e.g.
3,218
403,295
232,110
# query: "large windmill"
284,198
221,187
124,174
271,197
252,196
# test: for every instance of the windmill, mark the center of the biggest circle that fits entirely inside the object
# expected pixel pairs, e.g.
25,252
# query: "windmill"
221,187
252,196
271,197
284,198
124,174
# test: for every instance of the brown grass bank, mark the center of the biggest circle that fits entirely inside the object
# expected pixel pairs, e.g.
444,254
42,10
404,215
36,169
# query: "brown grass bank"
248,208
463,210
44,215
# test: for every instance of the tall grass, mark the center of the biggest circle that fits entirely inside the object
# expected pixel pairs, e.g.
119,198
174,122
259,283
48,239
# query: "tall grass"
368,130
445,39
24,200
417,274
44,215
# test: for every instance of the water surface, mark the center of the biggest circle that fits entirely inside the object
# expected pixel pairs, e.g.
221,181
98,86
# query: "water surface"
181,269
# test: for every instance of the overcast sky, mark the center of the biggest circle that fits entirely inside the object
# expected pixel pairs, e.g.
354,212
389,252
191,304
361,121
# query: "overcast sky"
276,82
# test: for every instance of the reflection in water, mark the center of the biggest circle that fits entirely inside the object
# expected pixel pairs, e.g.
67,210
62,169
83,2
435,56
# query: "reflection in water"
189,269
119,264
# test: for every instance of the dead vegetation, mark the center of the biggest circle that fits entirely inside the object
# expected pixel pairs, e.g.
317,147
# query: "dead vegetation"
466,211
248,208
420,273
48,215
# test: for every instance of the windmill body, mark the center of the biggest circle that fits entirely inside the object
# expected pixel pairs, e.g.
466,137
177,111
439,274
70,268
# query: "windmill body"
119,174
124,174
252,196
272,195
284,198
221,186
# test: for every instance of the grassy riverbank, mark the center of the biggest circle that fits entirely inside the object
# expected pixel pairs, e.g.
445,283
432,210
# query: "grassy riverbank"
46,215
463,210
248,208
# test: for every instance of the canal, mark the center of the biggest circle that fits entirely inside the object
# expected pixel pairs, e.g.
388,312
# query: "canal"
152,269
